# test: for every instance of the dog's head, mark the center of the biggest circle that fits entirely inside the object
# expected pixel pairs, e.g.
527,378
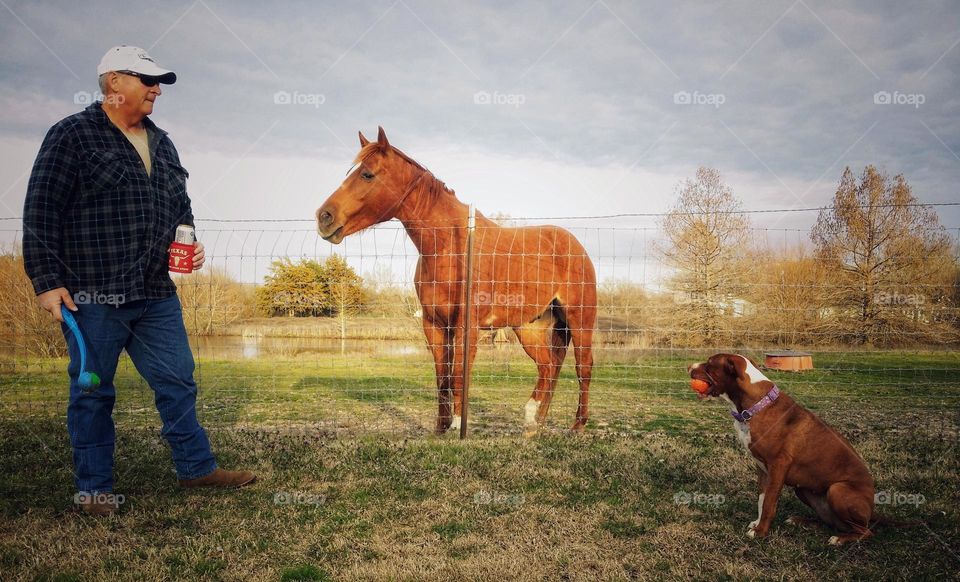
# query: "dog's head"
725,374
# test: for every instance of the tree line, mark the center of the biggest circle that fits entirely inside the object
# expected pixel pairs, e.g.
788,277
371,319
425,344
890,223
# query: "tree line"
878,270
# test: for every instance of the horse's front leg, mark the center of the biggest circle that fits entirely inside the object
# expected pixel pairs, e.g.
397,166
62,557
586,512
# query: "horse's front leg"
459,362
440,347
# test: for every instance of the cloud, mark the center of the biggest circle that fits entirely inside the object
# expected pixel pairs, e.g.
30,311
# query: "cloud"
598,82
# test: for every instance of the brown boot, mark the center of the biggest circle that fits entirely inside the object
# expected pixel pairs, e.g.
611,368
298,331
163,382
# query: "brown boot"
221,478
102,505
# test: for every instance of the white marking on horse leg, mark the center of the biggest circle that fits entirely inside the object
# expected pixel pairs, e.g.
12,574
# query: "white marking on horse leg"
455,425
756,522
530,412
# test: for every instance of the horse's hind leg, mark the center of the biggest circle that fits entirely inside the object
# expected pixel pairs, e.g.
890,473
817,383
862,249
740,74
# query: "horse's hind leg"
545,341
581,320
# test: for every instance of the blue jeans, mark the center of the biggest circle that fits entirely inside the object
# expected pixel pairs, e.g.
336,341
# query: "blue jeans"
154,336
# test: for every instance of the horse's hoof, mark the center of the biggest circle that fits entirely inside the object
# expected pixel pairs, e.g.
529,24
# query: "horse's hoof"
530,431
578,427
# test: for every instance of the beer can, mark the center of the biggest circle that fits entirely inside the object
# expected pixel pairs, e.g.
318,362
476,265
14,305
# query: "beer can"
181,250
185,235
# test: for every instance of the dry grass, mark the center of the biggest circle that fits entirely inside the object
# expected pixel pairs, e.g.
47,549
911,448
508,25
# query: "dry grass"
405,507
560,507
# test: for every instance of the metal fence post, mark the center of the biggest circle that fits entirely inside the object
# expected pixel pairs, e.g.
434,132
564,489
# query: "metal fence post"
468,307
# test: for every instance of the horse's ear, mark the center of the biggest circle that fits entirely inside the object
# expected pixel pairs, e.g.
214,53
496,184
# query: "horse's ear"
363,141
382,138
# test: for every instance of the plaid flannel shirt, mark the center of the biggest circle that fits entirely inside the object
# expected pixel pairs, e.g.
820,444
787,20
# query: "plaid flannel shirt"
93,220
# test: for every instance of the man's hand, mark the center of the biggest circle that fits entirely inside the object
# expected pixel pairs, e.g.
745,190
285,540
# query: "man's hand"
52,299
198,256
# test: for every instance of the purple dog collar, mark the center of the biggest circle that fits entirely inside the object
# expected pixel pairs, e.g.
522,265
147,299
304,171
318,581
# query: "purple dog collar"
756,408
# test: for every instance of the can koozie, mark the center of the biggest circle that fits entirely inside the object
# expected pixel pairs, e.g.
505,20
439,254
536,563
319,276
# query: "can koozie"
181,250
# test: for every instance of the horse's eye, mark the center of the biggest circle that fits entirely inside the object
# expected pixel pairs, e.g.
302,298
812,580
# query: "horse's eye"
366,175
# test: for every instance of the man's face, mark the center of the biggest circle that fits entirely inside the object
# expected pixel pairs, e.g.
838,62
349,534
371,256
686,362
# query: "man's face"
132,95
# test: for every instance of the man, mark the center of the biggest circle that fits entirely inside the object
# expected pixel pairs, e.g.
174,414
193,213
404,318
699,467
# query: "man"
103,203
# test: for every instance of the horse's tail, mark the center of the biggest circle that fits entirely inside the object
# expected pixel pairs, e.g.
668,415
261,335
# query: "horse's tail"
561,330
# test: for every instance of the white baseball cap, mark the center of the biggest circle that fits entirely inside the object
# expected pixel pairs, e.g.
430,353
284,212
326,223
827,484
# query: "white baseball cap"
136,60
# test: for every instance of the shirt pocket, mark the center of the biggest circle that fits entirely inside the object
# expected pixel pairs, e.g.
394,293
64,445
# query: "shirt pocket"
102,172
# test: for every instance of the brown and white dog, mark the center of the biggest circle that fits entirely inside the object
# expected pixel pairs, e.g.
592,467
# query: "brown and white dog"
792,447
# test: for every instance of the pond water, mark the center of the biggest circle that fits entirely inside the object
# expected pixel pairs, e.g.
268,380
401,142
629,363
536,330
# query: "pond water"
240,347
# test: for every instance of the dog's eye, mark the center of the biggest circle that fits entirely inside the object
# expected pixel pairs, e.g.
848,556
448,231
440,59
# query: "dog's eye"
365,175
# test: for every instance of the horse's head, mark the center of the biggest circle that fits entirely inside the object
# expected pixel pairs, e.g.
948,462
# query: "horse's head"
372,192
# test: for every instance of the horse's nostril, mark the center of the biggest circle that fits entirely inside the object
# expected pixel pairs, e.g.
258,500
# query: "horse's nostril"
324,217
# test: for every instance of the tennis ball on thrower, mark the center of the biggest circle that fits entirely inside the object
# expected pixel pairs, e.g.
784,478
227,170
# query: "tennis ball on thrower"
88,380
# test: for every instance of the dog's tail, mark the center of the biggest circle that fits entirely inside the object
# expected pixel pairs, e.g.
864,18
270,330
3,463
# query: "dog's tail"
883,520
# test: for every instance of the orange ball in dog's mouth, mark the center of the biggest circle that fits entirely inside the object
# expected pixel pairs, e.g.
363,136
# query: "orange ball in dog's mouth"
699,386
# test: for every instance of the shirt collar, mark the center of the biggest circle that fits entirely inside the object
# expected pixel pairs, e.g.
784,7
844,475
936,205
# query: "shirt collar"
100,116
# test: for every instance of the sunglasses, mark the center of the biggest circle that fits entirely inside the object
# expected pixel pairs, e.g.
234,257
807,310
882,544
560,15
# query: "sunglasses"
145,79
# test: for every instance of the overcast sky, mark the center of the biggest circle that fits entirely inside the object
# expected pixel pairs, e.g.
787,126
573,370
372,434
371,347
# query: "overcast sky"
528,108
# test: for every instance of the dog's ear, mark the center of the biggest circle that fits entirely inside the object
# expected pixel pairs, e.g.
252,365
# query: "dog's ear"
735,366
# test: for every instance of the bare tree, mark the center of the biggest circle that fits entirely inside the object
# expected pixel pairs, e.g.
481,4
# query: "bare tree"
212,300
705,233
792,293
889,256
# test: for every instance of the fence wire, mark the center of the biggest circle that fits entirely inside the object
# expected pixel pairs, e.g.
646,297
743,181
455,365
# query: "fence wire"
368,368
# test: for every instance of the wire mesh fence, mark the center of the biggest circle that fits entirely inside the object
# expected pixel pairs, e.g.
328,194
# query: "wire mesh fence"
362,364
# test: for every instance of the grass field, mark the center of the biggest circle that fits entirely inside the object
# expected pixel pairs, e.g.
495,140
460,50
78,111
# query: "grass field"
354,487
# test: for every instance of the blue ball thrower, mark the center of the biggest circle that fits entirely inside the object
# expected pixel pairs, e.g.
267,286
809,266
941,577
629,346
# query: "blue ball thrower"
88,381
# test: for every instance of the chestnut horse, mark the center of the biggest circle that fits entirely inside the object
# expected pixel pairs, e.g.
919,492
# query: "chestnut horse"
537,280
